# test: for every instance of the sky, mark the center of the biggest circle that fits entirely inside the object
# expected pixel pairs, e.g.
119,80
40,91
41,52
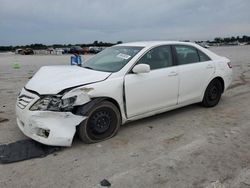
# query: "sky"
84,21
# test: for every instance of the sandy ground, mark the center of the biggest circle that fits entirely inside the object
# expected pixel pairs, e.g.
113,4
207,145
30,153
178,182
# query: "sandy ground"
189,147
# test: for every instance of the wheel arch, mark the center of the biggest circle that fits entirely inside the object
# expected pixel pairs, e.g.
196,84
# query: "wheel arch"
87,110
206,102
83,109
114,102
221,81
214,78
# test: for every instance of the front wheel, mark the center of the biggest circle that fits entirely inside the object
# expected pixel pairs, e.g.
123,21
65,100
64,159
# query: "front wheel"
103,122
212,94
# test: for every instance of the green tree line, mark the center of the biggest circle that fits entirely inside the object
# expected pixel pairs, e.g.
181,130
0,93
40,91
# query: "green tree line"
243,39
42,46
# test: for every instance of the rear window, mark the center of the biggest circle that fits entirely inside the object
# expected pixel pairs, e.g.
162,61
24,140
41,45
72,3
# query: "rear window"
203,57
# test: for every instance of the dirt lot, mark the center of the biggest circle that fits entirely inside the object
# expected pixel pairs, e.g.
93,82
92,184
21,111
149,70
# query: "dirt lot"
189,147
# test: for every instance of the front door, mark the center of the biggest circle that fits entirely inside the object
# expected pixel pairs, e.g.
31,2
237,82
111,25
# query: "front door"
157,89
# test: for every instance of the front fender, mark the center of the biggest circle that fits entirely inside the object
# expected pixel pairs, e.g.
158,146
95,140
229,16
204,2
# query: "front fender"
84,109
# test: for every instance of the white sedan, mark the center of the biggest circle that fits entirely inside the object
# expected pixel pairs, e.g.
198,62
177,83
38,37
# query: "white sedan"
122,83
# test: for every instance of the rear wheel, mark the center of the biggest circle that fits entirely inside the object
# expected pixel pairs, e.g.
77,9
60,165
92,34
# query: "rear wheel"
212,94
103,122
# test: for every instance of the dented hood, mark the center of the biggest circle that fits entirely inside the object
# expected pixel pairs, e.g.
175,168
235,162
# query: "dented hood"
53,79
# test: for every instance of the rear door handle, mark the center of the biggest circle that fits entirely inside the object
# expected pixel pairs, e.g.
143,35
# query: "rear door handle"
173,74
210,66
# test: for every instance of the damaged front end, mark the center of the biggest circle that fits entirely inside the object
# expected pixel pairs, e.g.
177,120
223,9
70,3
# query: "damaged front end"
49,119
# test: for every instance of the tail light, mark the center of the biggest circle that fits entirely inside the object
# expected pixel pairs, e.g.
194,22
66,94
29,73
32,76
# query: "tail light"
230,65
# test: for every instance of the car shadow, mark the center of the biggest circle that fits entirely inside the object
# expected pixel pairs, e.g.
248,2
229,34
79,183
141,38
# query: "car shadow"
165,115
28,149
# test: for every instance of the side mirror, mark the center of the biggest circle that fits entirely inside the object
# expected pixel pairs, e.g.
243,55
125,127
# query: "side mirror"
141,68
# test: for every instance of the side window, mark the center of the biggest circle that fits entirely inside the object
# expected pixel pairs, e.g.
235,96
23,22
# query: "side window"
159,57
203,57
186,54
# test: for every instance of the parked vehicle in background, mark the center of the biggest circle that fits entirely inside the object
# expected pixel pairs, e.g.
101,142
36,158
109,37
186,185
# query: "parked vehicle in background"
18,51
204,45
122,83
59,51
76,49
66,50
95,50
27,51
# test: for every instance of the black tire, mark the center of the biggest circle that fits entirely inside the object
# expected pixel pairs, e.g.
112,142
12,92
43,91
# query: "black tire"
212,94
103,122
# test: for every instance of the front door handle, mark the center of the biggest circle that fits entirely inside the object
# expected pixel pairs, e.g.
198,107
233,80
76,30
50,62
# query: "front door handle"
173,74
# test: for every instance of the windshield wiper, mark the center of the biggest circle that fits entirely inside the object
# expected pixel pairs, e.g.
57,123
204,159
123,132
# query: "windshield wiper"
88,68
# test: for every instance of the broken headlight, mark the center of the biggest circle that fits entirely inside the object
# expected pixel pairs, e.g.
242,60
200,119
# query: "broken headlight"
67,104
53,103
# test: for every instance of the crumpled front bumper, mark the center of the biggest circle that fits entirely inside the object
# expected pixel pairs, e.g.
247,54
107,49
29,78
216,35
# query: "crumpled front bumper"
47,127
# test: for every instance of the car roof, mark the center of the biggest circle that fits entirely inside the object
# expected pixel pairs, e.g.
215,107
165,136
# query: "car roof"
153,43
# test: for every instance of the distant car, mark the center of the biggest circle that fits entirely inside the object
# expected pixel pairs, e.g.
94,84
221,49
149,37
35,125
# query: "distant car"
95,50
66,50
76,49
59,51
18,51
204,45
27,51
122,83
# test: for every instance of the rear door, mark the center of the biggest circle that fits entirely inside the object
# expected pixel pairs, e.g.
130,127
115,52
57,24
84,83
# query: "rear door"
157,89
195,69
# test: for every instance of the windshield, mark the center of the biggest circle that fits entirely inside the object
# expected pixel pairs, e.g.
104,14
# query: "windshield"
112,59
